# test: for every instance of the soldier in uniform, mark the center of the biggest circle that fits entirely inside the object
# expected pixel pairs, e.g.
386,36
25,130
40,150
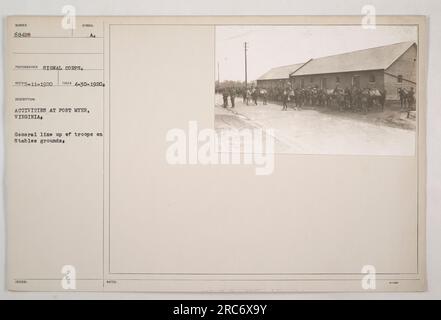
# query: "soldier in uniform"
382,98
254,95
411,98
411,102
403,97
285,97
356,98
232,96
264,94
347,98
291,97
248,96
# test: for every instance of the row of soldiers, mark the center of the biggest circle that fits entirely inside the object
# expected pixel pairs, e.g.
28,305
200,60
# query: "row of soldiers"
353,98
231,93
343,98
249,95
348,98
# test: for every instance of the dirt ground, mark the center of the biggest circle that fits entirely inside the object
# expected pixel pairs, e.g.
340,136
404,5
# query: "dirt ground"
320,130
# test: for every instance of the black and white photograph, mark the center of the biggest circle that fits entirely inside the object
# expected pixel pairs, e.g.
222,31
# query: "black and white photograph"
321,89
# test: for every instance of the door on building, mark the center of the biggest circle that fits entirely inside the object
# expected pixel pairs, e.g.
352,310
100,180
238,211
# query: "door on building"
323,84
356,81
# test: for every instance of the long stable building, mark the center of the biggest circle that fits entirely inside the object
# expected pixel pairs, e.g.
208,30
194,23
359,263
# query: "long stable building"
279,76
387,68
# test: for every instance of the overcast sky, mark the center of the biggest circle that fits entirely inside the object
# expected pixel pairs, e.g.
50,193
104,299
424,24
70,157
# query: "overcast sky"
272,46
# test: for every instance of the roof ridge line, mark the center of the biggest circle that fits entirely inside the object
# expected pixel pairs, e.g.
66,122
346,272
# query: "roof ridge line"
358,50
287,65
413,43
301,66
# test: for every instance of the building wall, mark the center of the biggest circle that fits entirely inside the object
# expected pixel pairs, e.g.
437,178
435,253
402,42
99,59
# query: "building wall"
406,67
344,80
392,85
401,74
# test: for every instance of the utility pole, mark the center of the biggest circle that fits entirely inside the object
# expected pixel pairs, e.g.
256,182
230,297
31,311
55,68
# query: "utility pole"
246,70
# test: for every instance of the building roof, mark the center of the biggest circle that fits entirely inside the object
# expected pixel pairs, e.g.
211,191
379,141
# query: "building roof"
281,72
378,58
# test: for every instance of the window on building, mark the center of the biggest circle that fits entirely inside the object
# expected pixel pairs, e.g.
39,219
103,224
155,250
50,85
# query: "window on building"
356,81
400,78
311,79
302,83
371,78
337,79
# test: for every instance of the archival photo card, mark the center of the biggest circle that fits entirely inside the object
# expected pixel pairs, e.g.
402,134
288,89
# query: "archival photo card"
215,154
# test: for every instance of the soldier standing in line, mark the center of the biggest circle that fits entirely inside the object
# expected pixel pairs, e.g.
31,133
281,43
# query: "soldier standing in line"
248,95
411,101
264,94
244,95
285,96
225,97
403,95
254,95
383,98
291,97
232,96
347,98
